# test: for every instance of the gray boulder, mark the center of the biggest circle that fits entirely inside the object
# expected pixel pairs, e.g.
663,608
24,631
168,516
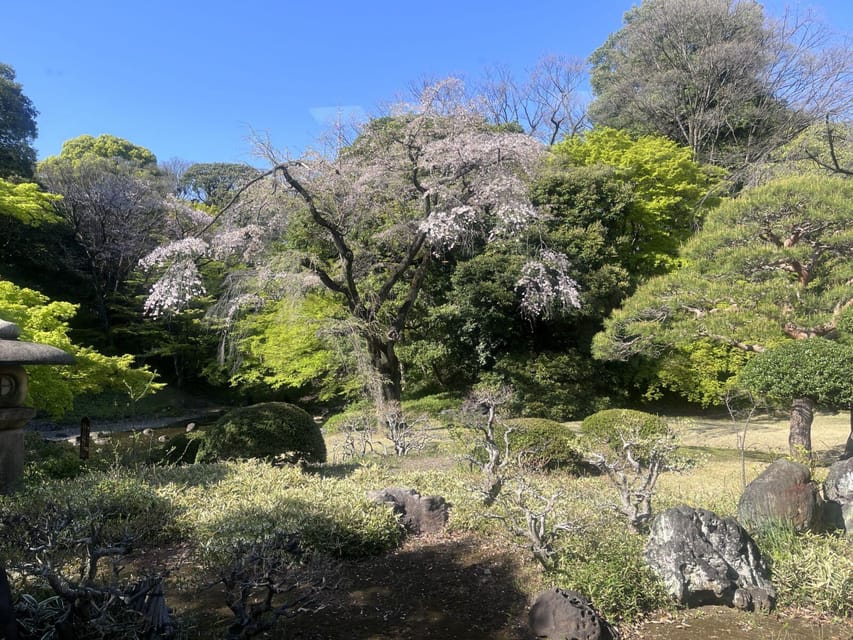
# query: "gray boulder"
783,494
838,489
567,615
418,514
705,559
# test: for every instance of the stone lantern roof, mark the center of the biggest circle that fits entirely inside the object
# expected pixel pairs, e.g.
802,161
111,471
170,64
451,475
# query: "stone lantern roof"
13,351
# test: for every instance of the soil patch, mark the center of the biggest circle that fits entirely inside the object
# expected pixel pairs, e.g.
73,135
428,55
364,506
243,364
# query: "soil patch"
445,586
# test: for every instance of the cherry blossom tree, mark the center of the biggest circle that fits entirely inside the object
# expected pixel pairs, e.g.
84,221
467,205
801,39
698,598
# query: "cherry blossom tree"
428,182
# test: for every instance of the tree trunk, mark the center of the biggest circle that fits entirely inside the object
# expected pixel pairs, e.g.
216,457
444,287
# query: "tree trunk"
387,383
800,433
848,448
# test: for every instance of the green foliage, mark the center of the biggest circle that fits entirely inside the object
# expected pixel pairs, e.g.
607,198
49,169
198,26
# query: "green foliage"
768,266
118,502
813,368
53,389
248,502
214,183
265,430
610,432
26,202
701,372
605,563
670,191
108,147
810,570
548,445
47,460
17,127
558,386
287,347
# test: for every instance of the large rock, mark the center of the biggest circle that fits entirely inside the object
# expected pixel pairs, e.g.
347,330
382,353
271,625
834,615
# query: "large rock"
566,615
705,559
838,489
782,495
418,514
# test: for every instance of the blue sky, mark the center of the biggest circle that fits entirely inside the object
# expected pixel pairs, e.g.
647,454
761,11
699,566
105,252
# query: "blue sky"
191,80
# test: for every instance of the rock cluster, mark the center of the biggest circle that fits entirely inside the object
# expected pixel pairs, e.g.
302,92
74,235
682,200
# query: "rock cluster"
838,489
418,514
567,615
783,494
704,559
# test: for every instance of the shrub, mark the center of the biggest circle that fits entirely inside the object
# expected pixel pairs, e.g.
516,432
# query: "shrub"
632,448
181,449
50,460
809,569
548,444
266,430
255,502
606,564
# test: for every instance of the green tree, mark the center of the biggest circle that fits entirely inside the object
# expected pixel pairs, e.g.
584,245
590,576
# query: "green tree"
804,373
53,389
367,225
26,202
670,193
718,76
290,344
108,147
115,206
17,127
771,265
214,183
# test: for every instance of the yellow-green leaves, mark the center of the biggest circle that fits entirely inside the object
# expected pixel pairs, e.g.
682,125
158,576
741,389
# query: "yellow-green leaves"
27,203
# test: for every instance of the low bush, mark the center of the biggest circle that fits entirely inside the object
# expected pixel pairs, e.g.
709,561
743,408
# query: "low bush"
268,430
606,564
253,502
546,444
612,428
47,460
810,570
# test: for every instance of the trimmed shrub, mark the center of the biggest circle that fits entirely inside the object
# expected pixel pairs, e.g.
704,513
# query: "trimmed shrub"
268,430
547,444
613,428
181,449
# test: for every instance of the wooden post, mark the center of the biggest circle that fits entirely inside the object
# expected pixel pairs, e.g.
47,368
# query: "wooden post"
85,430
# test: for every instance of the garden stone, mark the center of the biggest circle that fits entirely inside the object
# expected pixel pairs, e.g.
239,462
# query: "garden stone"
418,514
838,489
704,559
782,495
566,615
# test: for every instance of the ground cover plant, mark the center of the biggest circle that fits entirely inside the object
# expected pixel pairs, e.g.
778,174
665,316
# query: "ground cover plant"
244,546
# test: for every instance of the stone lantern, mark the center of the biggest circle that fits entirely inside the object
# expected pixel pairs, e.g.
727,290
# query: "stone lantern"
13,391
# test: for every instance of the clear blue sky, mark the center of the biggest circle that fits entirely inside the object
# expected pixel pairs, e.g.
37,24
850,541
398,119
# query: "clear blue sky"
191,79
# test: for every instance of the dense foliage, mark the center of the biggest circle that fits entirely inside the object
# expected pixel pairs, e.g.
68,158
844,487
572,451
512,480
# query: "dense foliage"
17,127
267,430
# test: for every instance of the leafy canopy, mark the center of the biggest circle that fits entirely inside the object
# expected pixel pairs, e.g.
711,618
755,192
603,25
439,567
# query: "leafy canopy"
671,191
772,265
27,203
17,127
813,368
53,389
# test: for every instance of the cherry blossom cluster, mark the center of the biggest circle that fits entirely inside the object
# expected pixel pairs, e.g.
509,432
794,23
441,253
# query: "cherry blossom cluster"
546,286
174,289
446,229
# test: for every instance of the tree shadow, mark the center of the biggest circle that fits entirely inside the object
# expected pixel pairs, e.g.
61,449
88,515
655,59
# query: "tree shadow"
442,587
